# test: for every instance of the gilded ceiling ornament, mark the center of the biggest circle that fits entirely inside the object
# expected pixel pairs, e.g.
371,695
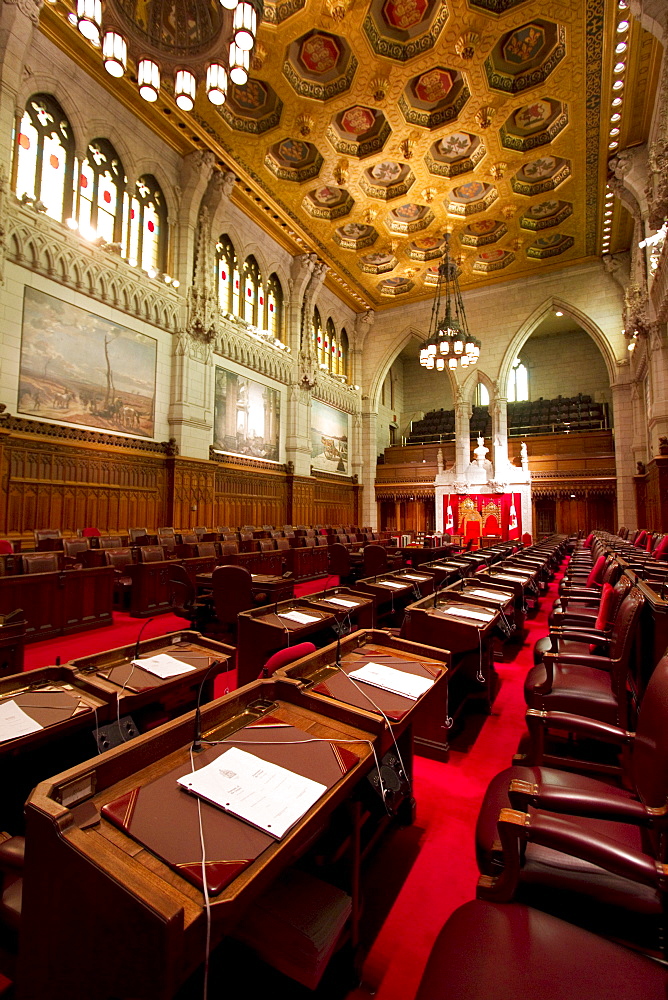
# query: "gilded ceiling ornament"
497,170
379,87
484,116
338,9
258,57
428,194
465,45
406,146
508,211
340,172
370,214
304,124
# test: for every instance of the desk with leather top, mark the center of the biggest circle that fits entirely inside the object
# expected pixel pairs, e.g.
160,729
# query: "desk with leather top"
266,589
319,674
361,615
125,918
392,592
263,631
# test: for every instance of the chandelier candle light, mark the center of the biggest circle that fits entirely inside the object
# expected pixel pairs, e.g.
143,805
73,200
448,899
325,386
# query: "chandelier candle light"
207,40
449,339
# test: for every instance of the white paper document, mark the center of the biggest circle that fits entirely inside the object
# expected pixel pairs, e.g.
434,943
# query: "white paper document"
391,679
299,616
263,794
411,576
392,584
491,595
514,578
340,601
476,616
163,665
14,722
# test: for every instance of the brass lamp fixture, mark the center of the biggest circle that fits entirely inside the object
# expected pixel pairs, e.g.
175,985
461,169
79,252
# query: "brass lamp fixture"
195,41
449,343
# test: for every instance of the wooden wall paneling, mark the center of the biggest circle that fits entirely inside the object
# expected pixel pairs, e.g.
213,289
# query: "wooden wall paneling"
250,494
192,483
652,495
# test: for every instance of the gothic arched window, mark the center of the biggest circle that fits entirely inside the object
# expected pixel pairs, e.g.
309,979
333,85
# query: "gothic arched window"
226,264
342,355
318,337
45,156
147,225
518,383
251,290
275,307
101,188
330,344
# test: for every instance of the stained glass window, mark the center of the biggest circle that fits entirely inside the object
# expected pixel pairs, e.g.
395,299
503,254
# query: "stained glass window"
318,344
45,156
275,307
343,354
225,264
330,345
147,225
251,290
101,192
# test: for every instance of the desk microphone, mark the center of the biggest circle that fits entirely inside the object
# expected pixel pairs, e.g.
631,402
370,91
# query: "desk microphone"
197,741
141,632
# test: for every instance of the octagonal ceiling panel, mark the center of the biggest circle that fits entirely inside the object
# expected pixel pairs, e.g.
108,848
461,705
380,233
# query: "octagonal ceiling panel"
328,202
544,174
355,236
425,248
434,98
386,180
403,29
254,108
492,260
472,197
395,286
377,263
293,160
320,65
277,11
524,57
454,154
358,131
409,218
546,214
431,275
482,232
550,245
534,125
496,6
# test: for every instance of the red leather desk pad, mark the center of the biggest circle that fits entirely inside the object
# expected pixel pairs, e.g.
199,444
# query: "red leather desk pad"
164,818
370,698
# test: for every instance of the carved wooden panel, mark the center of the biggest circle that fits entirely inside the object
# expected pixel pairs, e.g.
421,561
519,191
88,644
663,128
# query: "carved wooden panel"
652,495
319,500
249,496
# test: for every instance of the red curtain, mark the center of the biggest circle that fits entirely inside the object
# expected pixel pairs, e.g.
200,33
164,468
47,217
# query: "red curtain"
505,501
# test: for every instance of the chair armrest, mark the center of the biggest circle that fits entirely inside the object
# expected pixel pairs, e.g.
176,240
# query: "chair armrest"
580,726
577,802
581,635
580,660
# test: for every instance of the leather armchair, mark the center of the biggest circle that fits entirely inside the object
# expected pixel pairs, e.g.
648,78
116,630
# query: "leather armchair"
183,599
583,611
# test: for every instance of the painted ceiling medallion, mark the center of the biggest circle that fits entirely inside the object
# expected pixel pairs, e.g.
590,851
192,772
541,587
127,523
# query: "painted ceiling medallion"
328,202
320,65
277,11
482,232
525,57
431,275
293,160
377,263
454,154
544,174
355,236
467,199
254,108
409,218
402,29
434,98
386,180
425,248
493,260
395,286
358,131
534,125
549,246
546,214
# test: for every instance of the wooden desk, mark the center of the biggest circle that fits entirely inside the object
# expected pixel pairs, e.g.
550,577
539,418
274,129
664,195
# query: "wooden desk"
52,697
360,616
266,589
319,675
522,584
149,699
392,593
12,639
472,673
59,603
489,595
263,631
119,921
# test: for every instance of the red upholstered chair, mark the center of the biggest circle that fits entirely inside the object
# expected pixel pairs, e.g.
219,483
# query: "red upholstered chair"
526,539
488,951
585,683
6,547
91,533
661,549
491,525
640,539
583,612
599,626
578,841
285,656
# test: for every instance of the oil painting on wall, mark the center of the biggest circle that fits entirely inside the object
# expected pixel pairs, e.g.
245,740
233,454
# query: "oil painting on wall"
246,417
329,438
83,369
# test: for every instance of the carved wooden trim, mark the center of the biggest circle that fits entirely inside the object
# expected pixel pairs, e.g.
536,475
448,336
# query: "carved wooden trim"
233,461
38,428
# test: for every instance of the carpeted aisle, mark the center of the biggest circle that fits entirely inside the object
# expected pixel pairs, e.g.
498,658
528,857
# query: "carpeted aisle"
445,873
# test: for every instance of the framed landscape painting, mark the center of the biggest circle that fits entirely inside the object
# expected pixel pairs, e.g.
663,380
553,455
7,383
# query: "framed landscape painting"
246,417
83,369
329,438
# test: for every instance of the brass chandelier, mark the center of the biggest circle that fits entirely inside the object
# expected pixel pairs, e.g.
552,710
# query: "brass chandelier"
191,41
449,343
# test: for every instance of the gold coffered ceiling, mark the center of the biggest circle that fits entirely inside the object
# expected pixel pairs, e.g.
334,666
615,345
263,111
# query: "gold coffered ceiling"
368,129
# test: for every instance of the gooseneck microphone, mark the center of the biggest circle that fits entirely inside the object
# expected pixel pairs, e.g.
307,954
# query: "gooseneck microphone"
141,632
197,741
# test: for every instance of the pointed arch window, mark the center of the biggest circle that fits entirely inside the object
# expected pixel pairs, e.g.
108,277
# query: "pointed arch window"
251,290
146,240
342,355
45,156
318,339
330,343
518,383
226,265
275,307
100,196
482,395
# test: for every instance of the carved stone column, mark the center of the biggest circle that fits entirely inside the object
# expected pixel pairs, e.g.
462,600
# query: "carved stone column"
624,460
499,408
463,412
369,420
